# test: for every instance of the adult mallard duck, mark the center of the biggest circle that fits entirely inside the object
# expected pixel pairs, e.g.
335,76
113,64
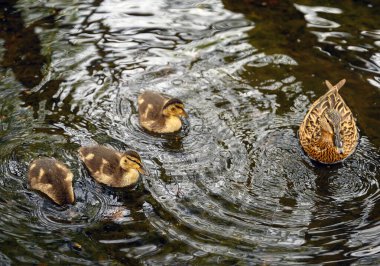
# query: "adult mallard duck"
328,133
111,167
160,114
53,179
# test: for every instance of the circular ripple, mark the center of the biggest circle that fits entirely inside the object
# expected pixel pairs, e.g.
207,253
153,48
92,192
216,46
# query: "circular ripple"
229,24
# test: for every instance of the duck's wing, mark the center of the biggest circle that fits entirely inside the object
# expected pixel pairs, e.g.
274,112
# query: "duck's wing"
310,128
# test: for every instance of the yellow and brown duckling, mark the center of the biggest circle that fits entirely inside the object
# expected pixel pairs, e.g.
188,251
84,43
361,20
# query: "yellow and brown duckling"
52,178
160,114
111,167
328,133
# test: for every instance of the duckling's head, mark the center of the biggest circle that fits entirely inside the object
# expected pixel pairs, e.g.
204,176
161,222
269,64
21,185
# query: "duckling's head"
131,160
174,107
333,118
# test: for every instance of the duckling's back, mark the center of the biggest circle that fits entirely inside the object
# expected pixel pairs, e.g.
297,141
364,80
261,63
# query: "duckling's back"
96,157
52,178
150,105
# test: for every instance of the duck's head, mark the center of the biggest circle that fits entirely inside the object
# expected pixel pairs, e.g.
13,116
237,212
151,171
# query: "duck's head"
131,160
332,126
174,107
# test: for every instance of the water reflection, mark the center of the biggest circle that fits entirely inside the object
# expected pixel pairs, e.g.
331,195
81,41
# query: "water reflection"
234,186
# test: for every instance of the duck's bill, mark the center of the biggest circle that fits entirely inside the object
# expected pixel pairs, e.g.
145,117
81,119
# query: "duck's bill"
340,150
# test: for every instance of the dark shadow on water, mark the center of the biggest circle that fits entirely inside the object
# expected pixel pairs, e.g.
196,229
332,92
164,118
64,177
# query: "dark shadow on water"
281,28
22,44
46,92
24,56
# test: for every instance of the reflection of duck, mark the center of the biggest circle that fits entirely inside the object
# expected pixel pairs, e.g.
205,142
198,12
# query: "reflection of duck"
52,178
328,132
160,114
110,167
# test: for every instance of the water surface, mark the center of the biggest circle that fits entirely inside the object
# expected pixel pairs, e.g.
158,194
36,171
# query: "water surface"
234,187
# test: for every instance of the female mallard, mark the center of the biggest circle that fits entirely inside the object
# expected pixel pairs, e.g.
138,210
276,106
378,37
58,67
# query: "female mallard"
160,114
53,179
328,133
110,167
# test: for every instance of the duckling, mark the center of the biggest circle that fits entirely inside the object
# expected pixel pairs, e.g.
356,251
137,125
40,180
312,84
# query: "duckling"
328,133
160,114
111,167
52,178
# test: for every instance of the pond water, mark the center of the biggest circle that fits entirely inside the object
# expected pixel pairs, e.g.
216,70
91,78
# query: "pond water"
234,187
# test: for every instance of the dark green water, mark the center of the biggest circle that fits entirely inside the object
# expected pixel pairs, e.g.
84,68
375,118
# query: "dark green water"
234,187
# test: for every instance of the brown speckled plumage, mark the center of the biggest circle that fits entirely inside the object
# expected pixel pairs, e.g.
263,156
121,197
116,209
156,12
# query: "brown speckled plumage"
104,165
152,116
52,178
329,121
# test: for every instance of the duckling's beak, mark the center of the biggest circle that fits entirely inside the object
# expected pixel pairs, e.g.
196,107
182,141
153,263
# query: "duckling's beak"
184,114
141,170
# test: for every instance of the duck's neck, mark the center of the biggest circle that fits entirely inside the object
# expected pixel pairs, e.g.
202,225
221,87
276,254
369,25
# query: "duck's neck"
326,151
130,177
326,140
172,124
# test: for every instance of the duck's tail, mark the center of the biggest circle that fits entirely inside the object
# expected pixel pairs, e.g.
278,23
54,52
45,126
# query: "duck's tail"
337,86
